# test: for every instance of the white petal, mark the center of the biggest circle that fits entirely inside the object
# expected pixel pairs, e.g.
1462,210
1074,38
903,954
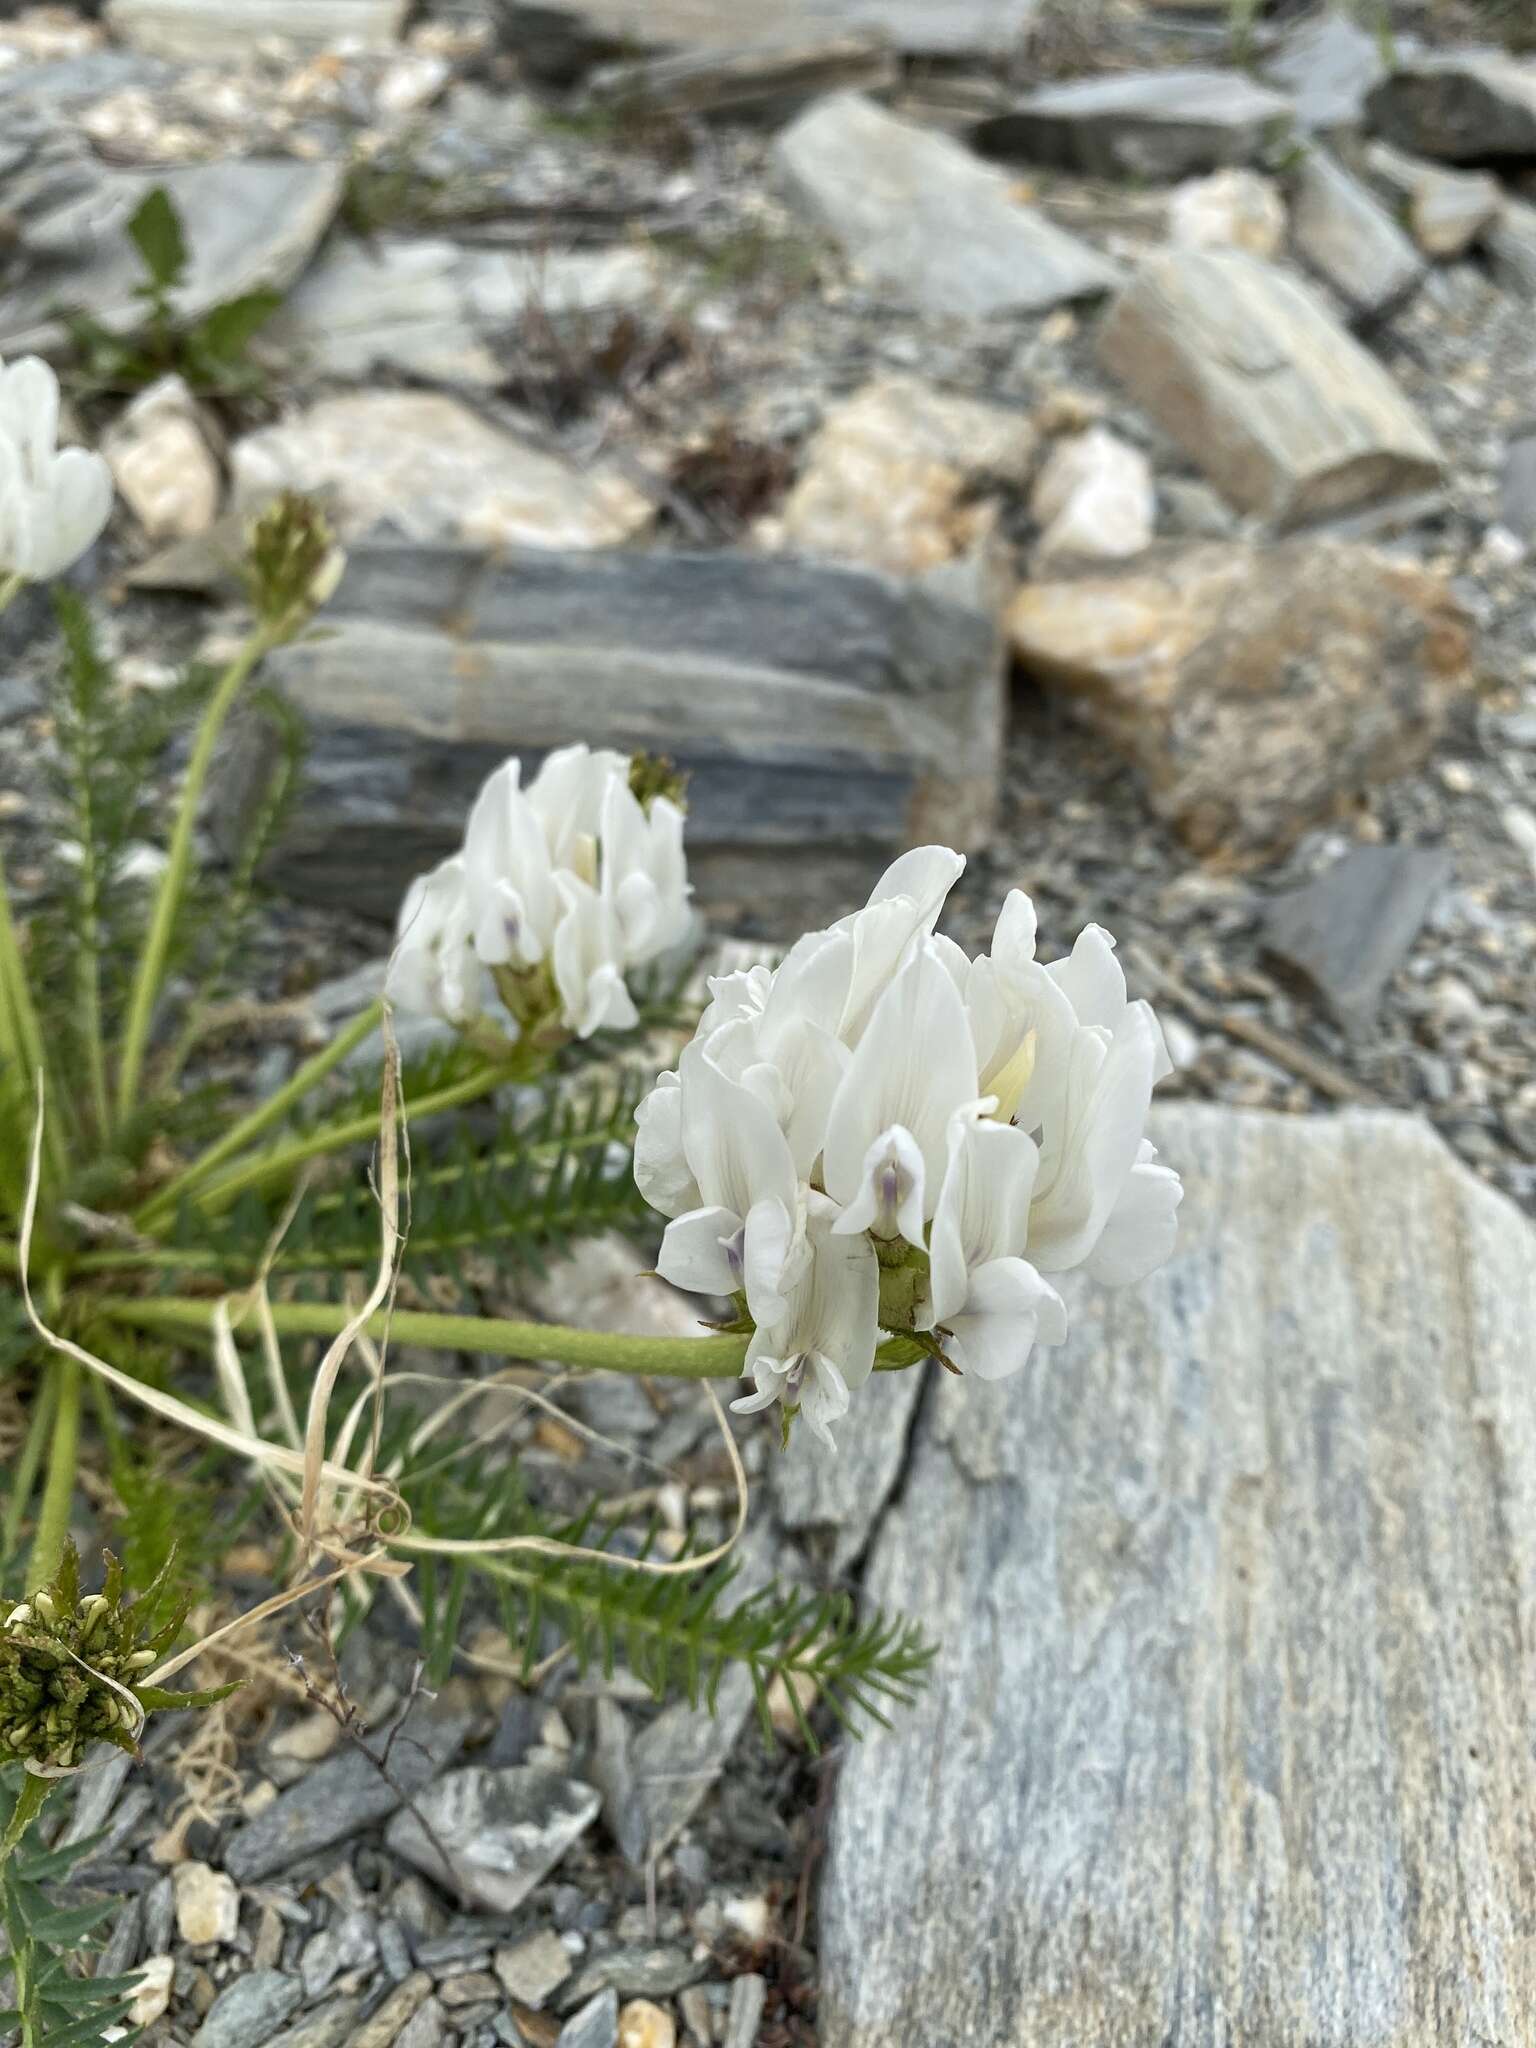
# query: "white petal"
889,1199
1008,1310
731,1138
1091,1142
823,1348
701,1252
774,1256
734,997
925,875
1143,1226
587,973
983,1208
915,1066
661,1171
1091,978
79,490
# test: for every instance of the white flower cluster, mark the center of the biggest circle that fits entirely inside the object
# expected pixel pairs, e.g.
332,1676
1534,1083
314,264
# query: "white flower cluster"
559,891
53,502
885,1135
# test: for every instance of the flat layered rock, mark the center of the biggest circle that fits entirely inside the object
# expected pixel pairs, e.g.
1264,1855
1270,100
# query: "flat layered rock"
1248,371
1142,124
1463,106
1511,247
1347,931
1347,237
429,308
1447,210
1258,691
196,29
762,80
917,215
247,223
430,468
1231,1734
1326,66
567,33
828,716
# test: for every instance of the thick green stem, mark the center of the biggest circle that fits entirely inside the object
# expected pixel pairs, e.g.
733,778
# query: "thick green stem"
59,1487
162,923
686,1358
10,587
262,1118
24,1474
283,1161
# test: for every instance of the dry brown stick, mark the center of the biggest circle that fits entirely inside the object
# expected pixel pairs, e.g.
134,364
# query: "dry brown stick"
1313,1067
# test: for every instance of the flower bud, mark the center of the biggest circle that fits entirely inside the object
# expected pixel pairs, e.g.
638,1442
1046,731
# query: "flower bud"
293,564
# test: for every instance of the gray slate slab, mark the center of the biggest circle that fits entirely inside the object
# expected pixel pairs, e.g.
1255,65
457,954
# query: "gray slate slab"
1517,489
250,2011
202,29
492,1835
248,222
1511,248
562,36
919,216
1231,1738
1344,235
835,1497
827,716
767,80
1249,372
1463,106
1142,124
1325,66
343,1795
1348,930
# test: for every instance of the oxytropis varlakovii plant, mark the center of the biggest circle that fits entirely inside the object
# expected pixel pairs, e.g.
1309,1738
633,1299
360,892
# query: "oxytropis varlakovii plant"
883,1152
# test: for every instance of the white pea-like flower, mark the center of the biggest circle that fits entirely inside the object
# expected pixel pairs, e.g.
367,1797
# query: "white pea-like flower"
54,501
884,1138
564,885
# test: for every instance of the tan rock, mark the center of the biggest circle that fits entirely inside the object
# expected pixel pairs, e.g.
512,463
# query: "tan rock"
644,2025
207,1905
889,478
431,468
1228,210
164,464
1447,210
1256,689
1095,499
1254,378
152,1994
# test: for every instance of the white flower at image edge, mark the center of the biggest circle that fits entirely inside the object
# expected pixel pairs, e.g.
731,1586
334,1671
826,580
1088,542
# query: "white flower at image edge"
53,502
886,1137
570,875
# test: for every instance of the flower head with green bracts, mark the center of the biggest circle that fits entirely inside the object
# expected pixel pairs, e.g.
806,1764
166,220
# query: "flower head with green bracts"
73,1668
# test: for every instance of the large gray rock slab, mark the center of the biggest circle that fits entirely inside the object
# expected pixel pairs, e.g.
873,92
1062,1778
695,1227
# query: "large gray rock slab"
1325,66
1231,1734
431,309
1142,124
1344,234
827,716
567,33
247,223
1463,106
761,81
832,1499
198,29
1254,378
918,215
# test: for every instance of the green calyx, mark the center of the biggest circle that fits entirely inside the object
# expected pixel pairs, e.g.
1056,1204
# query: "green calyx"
654,775
903,1282
73,1668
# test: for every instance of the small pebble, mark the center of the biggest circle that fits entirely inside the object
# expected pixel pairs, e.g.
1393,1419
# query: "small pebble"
644,2025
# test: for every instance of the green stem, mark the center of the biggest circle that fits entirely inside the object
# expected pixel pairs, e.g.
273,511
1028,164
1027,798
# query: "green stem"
24,1478
157,942
21,1038
59,1487
238,1136
10,587
686,1358
282,1161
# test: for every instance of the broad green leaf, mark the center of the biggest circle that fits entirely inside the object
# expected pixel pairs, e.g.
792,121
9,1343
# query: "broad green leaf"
155,229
